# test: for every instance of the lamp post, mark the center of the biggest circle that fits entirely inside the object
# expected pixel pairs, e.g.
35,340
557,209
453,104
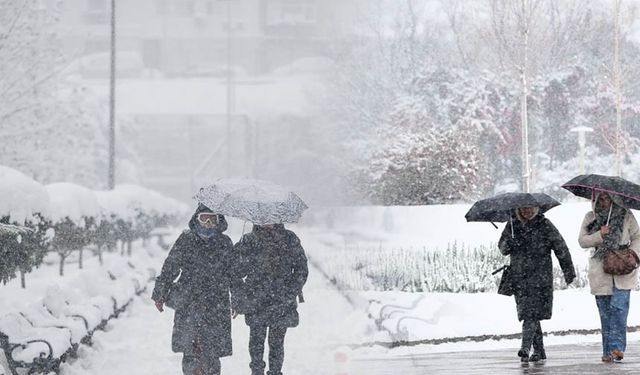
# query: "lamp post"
582,131
112,102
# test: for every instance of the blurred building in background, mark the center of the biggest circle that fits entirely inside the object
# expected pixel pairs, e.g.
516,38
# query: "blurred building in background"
190,37
212,88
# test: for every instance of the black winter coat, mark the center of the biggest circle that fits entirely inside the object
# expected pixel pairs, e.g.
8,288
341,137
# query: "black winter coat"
203,311
274,268
530,251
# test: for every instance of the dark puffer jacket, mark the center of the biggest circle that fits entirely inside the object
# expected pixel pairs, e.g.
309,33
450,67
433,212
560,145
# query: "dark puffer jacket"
530,251
273,265
200,296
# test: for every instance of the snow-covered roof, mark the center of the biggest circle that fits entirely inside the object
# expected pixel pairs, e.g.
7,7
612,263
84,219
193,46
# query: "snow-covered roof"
254,98
21,196
73,201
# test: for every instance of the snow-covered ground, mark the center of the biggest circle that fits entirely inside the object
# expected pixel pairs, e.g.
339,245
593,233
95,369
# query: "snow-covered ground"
333,330
140,341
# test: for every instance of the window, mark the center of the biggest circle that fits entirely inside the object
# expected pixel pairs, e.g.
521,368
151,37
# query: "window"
291,12
185,7
97,12
162,7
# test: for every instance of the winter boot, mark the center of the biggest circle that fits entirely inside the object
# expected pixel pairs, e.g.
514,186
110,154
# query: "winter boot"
617,356
538,355
523,354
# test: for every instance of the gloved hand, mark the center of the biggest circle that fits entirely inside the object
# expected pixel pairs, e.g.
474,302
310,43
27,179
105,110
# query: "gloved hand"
569,278
160,305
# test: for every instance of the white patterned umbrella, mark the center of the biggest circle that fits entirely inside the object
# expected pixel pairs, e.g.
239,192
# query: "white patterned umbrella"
260,202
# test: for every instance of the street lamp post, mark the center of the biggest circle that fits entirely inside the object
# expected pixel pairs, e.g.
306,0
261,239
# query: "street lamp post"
112,102
582,131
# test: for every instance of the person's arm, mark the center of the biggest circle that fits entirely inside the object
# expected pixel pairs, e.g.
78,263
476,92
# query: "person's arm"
634,233
506,242
585,239
238,270
562,253
170,270
300,267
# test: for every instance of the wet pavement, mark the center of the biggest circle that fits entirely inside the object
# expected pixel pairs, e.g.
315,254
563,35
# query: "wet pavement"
562,359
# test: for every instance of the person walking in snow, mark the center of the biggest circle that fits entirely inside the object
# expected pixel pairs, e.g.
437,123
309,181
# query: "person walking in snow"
273,264
200,260
610,226
529,238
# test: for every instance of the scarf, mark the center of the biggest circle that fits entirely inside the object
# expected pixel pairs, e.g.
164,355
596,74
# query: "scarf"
616,222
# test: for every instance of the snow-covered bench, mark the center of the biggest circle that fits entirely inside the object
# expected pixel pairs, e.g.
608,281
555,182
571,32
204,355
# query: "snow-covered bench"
63,304
38,349
38,315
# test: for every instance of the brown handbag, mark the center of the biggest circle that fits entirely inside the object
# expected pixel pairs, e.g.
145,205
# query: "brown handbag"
620,262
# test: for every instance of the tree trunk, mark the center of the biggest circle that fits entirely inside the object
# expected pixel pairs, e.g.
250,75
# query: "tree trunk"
23,280
129,248
526,168
62,258
618,89
100,254
81,250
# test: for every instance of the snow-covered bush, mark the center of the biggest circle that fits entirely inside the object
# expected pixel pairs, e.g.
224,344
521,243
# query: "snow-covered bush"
22,203
456,270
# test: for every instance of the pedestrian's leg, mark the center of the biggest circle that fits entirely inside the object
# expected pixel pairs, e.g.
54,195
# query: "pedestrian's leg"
189,364
619,312
211,365
538,344
276,349
528,331
603,303
257,335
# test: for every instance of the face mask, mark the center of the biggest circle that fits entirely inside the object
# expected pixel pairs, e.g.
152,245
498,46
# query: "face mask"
205,232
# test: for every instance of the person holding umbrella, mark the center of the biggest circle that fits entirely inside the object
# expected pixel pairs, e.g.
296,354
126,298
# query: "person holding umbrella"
610,227
270,263
200,260
528,238
273,264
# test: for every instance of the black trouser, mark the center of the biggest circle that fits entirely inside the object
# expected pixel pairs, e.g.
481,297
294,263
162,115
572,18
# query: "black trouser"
532,335
257,336
191,364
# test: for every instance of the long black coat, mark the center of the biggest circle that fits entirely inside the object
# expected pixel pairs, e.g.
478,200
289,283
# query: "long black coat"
203,314
274,268
530,251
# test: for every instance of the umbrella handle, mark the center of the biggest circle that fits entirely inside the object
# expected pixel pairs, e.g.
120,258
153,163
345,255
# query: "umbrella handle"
511,222
609,217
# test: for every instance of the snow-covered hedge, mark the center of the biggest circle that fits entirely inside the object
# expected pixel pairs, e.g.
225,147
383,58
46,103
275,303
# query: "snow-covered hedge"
66,217
457,269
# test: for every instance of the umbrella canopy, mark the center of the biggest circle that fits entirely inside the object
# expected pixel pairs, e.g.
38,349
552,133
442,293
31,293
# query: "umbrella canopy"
501,207
587,185
260,202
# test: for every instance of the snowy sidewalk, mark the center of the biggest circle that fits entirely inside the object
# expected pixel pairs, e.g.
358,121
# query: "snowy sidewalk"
563,359
139,342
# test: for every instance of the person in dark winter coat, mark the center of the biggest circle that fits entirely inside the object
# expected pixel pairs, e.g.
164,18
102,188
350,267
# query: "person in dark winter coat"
200,261
273,264
529,238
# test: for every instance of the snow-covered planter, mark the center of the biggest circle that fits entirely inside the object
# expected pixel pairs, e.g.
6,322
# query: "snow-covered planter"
73,212
22,203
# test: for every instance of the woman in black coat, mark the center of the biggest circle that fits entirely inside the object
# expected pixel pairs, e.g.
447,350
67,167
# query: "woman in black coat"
202,323
272,263
529,238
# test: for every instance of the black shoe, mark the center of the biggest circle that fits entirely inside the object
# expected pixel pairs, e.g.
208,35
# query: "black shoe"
524,355
538,356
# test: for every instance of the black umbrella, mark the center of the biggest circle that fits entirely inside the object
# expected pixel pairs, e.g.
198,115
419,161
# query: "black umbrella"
587,185
501,207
